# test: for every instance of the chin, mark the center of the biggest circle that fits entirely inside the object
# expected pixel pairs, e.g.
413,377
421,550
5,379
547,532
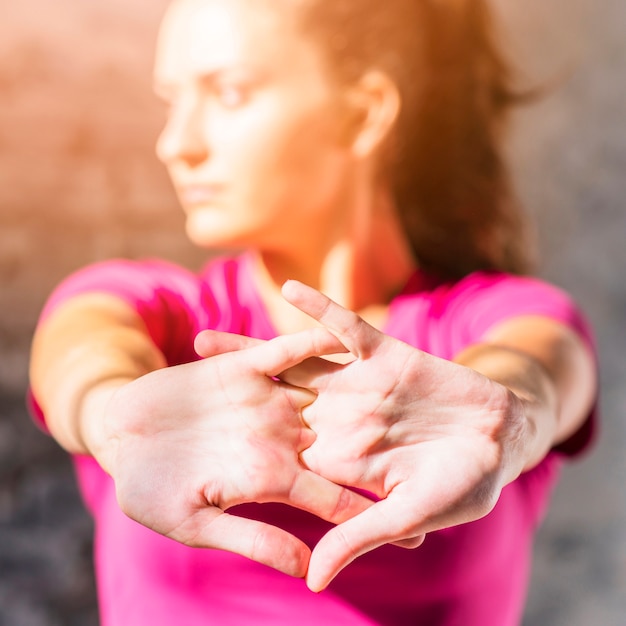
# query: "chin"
209,234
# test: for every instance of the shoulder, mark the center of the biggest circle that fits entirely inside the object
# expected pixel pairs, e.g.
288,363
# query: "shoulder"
455,314
484,299
506,292
138,283
219,296
168,299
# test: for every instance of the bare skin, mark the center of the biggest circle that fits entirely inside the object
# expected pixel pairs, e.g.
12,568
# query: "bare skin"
259,142
434,441
256,146
185,443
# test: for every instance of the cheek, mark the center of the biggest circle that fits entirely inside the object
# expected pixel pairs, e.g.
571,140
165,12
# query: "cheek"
275,136
294,157
309,141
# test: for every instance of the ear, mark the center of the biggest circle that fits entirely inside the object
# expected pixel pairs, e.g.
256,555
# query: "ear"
374,105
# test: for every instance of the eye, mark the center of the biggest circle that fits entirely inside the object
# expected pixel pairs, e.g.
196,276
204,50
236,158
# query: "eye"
231,96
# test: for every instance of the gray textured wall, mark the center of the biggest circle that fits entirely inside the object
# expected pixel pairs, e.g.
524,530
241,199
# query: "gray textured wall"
570,158
78,182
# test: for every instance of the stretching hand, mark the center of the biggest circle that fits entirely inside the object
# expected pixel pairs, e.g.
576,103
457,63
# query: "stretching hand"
433,440
185,443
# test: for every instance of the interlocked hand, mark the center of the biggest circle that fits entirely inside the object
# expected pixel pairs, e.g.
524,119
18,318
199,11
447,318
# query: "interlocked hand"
185,443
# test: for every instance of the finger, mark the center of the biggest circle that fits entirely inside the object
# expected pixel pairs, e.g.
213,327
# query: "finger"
212,342
312,373
356,334
255,540
410,544
326,499
298,397
380,524
281,353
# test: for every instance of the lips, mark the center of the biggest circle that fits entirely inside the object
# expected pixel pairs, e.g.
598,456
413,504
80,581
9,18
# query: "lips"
200,194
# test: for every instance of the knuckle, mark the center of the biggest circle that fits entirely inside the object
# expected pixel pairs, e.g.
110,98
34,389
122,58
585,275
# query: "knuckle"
342,505
260,544
484,499
510,415
343,538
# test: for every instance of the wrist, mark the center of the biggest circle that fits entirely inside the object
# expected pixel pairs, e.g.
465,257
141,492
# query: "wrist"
529,403
95,429
533,427
541,424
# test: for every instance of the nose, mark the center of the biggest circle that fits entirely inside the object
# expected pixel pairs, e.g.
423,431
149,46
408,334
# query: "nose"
182,138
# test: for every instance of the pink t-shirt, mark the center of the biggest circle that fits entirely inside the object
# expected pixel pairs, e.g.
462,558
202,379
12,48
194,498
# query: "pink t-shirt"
471,575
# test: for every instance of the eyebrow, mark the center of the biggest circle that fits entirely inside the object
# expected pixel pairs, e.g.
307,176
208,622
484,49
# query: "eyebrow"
163,87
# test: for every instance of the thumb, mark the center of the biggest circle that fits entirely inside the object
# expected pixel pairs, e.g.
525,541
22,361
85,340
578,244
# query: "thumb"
380,524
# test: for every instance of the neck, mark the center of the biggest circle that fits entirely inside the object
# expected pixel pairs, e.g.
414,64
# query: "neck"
363,269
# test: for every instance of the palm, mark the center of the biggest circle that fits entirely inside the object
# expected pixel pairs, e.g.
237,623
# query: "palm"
188,442
428,437
375,415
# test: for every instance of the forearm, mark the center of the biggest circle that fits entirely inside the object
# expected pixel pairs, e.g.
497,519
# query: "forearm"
80,356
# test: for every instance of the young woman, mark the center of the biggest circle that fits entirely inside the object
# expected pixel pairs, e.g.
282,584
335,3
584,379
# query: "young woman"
369,370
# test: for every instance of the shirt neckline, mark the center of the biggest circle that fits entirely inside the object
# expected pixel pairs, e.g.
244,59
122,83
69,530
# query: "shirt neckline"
418,281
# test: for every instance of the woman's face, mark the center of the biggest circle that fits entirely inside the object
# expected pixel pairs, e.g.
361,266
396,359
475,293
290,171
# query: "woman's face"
253,140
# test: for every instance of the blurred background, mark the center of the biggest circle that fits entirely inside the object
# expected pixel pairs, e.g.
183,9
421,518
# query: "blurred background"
79,182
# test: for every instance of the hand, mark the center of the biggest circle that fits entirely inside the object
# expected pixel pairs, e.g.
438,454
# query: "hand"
435,441
185,443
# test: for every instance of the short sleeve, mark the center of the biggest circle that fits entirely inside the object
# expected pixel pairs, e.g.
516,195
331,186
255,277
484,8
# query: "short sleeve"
170,299
487,299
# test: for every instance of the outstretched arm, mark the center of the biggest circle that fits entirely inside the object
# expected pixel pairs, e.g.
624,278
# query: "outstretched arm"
87,348
185,443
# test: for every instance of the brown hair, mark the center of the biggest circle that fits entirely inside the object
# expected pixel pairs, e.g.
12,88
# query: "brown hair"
449,179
